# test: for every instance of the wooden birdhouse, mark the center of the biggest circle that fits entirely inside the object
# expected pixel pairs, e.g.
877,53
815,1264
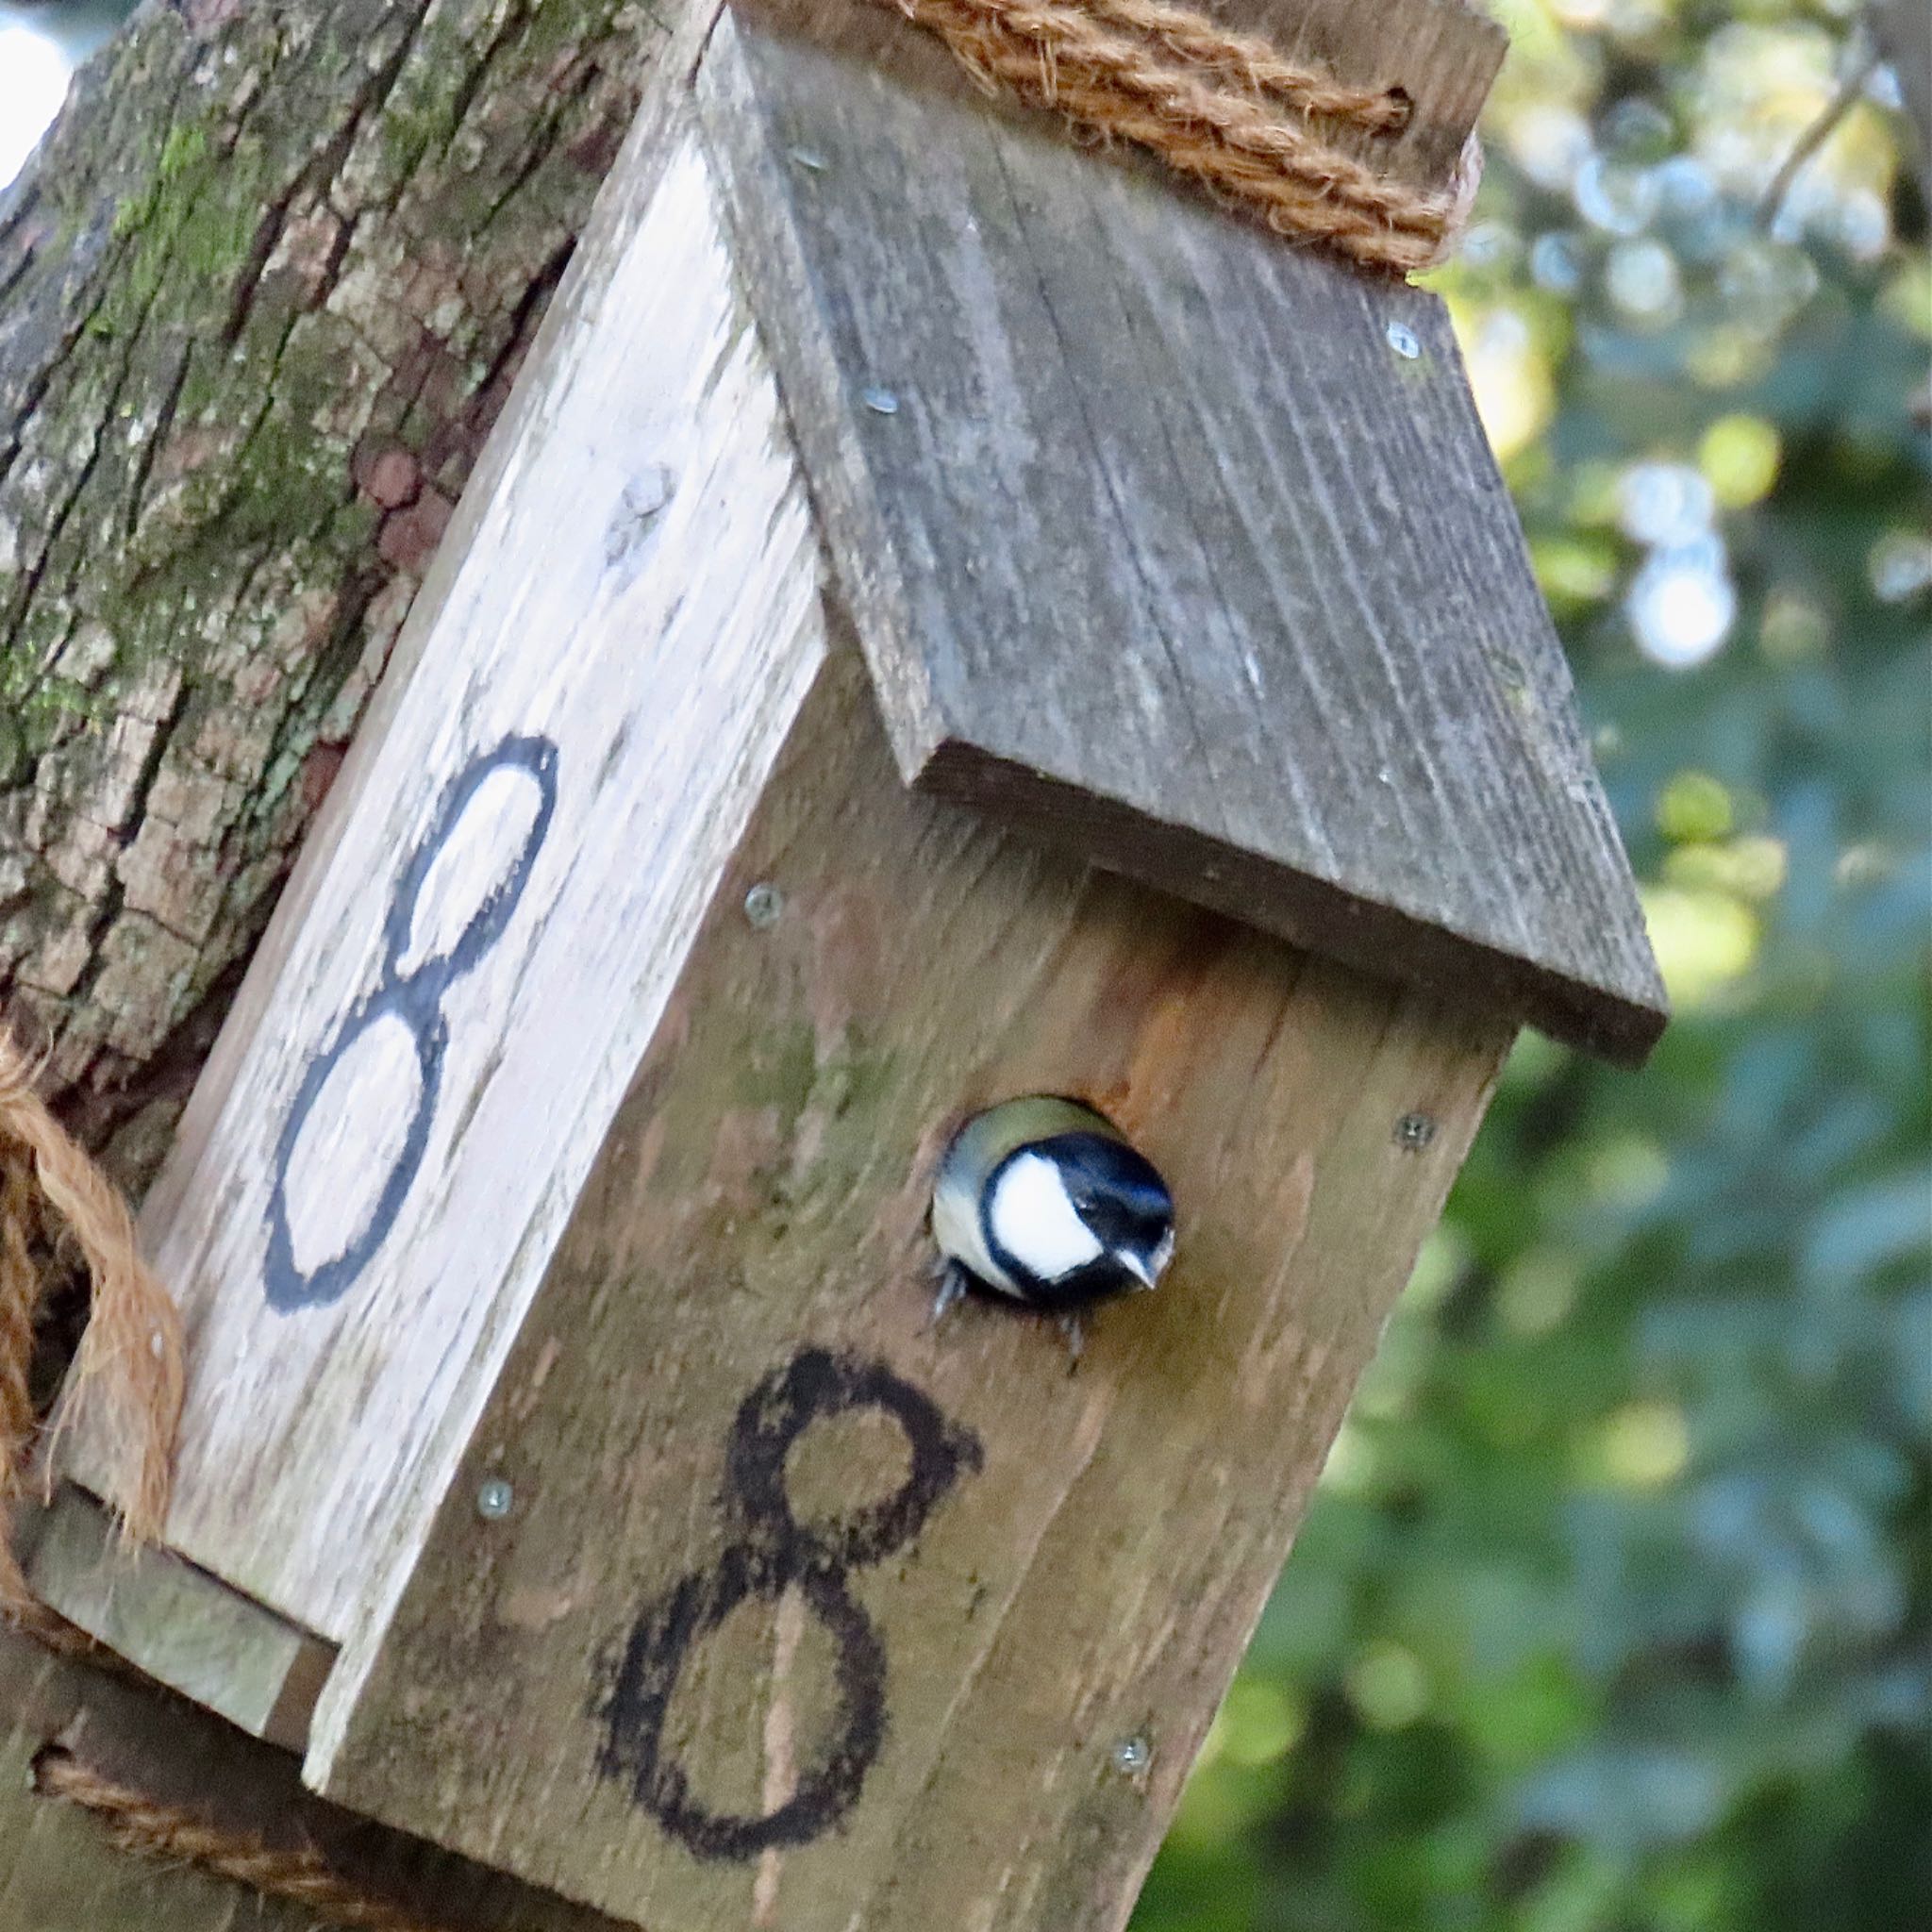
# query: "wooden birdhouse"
952,613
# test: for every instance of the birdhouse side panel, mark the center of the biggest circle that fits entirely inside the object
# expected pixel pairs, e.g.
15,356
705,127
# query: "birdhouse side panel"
761,1599
483,929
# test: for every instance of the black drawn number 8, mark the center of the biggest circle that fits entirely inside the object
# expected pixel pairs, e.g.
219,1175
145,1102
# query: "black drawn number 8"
775,1552
416,1000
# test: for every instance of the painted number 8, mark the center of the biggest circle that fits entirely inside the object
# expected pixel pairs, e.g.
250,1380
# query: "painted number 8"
415,999
775,1552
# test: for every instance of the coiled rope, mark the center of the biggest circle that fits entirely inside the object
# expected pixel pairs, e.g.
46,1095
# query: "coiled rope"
1224,108
173,1835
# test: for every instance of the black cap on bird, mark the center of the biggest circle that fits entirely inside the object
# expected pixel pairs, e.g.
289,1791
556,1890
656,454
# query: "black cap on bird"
1045,1201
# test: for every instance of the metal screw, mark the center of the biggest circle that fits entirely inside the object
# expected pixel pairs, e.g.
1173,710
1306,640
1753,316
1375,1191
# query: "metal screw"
1132,1756
804,157
643,498
649,490
881,402
1402,340
762,905
1414,1131
493,1499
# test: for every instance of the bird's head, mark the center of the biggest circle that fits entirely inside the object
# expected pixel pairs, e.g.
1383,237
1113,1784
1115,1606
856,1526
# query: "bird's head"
1046,1200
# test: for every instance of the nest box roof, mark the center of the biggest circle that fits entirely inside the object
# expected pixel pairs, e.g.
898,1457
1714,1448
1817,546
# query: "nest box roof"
1168,541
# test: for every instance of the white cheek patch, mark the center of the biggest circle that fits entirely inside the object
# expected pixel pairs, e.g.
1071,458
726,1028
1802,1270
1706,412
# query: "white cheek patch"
1035,1221
956,1226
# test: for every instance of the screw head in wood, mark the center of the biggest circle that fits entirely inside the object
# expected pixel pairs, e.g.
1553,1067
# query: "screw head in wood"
1403,341
1132,1756
763,905
1414,1131
642,502
493,1499
881,402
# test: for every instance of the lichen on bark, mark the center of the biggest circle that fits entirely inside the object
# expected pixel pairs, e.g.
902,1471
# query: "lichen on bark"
263,291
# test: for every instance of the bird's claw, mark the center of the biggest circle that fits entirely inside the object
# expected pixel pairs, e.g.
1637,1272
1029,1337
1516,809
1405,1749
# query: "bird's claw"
1075,1339
952,1288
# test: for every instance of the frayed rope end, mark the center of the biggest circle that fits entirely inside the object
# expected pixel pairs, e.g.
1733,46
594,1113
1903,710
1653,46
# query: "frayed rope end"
128,1369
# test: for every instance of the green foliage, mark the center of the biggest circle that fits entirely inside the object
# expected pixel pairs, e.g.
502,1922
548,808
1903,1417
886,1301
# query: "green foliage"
1611,1612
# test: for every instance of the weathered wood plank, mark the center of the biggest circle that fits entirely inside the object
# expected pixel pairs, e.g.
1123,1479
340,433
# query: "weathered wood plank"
193,1632
1166,539
484,928
1076,1559
59,1872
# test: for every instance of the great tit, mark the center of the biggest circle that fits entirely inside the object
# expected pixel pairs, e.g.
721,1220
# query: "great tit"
1044,1200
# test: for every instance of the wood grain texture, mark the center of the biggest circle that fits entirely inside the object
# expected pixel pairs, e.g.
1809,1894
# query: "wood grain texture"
485,927
1156,545
1086,1566
193,1632
1444,55
60,1873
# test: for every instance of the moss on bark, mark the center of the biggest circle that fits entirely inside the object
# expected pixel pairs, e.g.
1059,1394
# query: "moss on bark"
263,293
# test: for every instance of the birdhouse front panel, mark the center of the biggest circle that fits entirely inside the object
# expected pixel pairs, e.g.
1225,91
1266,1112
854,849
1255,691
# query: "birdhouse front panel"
783,1602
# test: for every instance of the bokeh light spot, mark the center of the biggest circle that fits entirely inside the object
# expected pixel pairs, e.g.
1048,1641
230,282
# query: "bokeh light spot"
1900,565
1739,457
1389,1687
1704,941
1664,503
1682,603
1537,1292
1693,805
1644,1445
1259,1722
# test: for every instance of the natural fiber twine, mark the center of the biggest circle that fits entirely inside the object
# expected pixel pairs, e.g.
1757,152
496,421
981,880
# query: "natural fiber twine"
169,1833
54,1201
1226,109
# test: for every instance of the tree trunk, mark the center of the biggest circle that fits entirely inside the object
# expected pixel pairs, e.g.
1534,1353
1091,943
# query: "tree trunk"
262,292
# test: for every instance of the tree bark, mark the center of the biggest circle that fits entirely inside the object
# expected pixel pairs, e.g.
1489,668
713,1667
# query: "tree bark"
263,292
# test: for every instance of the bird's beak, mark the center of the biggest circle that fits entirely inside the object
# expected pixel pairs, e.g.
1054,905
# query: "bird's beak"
1148,1270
